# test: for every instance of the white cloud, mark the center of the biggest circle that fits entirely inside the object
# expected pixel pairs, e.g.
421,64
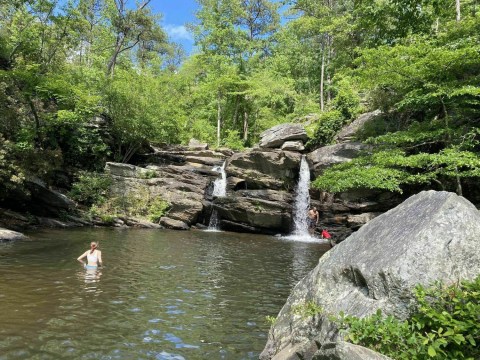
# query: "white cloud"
178,32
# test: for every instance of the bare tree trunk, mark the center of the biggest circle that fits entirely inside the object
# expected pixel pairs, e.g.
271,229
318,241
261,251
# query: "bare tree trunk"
219,116
245,126
235,114
457,8
322,76
113,59
329,77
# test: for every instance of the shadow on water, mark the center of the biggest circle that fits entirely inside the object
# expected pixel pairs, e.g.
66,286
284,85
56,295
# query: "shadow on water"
162,295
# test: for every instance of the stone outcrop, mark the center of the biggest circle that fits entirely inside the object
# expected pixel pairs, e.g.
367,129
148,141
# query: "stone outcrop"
431,236
9,235
173,224
345,351
293,146
276,136
181,186
194,144
348,133
46,200
261,211
265,169
327,156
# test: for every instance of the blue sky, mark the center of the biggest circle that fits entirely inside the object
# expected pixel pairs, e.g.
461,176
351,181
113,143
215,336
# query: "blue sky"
176,14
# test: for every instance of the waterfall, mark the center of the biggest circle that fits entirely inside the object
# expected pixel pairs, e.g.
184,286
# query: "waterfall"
301,205
302,200
220,184
219,190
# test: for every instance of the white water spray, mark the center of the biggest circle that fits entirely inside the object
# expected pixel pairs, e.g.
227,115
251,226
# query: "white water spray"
301,205
219,190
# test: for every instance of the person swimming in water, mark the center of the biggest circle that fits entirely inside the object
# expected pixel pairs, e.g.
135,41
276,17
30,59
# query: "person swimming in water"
94,257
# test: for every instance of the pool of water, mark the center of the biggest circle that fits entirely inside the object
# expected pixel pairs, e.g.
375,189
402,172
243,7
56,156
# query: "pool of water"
161,295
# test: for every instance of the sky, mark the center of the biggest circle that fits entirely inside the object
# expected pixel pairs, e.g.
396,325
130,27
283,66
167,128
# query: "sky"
176,14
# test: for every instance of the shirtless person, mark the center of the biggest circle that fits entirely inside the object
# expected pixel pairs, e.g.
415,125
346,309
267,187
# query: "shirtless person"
312,220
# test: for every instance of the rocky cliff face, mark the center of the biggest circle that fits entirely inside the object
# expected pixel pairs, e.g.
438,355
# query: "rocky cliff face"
431,236
260,184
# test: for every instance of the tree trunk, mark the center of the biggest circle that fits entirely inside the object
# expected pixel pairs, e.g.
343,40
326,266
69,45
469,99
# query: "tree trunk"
245,126
322,75
219,116
328,70
457,8
113,59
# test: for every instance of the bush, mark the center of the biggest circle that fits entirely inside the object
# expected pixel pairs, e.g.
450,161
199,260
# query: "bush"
90,188
134,204
11,176
233,140
329,124
444,325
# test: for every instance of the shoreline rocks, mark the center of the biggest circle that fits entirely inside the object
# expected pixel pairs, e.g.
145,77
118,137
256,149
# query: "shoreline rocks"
10,235
430,236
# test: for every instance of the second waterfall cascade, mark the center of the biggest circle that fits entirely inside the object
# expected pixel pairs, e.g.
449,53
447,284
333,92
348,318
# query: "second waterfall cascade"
301,205
219,190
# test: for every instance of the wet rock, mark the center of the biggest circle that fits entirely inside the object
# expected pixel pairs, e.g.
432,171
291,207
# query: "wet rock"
173,224
430,236
9,235
277,135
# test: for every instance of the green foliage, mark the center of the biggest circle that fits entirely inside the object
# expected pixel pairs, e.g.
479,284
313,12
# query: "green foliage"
389,170
138,203
233,141
270,320
11,176
329,124
308,309
444,325
90,188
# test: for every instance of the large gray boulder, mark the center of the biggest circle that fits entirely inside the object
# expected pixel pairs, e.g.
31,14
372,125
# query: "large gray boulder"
346,351
348,132
277,135
264,211
265,169
430,236
49,200
324,157
181,186
9,235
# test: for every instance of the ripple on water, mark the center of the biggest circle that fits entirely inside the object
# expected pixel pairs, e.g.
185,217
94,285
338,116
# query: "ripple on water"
167,356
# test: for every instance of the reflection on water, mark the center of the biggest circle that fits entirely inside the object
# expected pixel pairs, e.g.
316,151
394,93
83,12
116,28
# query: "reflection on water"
162,295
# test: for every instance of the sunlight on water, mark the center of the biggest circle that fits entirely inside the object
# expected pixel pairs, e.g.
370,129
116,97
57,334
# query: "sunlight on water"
162,294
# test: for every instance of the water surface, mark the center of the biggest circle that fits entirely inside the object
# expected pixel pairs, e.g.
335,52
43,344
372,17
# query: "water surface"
162,294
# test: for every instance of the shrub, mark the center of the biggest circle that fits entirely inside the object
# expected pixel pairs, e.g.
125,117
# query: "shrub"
90,188
11,176
329,124
444,325
136,204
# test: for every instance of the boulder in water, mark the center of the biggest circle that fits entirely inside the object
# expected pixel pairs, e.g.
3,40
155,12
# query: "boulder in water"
430,236
9,235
